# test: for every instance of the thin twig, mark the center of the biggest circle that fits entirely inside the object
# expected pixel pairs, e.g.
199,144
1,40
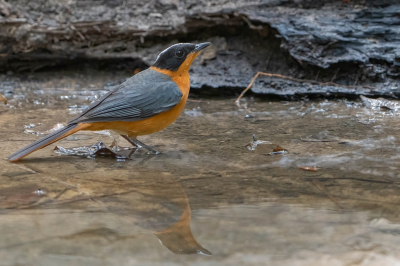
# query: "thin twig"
334,76
194,101
251,84
297,80
77,32
316,77
40,18
251,26
356,80
319,140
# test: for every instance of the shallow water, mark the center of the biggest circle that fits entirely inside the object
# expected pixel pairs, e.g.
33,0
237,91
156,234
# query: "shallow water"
207,193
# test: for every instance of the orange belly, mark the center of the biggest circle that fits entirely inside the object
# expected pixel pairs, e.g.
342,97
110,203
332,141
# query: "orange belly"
142,127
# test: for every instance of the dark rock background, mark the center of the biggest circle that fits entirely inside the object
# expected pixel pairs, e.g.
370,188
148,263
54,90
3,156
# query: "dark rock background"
353,43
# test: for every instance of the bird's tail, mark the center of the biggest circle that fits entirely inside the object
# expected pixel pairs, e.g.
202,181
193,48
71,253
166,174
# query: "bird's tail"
47,140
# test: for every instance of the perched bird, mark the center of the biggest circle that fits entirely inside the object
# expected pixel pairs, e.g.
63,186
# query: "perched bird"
144,104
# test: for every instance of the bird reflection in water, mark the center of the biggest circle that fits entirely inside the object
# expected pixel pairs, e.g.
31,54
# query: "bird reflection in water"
162,207
157,204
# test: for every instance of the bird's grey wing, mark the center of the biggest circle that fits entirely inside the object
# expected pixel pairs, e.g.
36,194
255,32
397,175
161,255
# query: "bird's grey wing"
133,102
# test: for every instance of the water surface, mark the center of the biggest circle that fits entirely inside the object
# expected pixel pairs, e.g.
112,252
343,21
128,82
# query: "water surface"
208,199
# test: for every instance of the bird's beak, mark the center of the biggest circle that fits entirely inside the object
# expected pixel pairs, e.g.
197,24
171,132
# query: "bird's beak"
191,56
200,47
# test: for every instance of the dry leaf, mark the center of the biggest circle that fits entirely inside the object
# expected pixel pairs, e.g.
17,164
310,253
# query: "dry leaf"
309,168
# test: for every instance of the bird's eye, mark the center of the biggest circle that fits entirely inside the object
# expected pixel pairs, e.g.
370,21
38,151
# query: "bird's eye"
179,53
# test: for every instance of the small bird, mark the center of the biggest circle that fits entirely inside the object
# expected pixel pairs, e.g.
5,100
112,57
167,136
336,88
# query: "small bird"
144,104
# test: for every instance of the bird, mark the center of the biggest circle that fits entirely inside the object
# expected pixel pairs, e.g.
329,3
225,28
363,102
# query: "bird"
144,104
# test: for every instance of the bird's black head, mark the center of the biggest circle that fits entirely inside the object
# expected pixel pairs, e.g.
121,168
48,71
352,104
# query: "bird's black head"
173,57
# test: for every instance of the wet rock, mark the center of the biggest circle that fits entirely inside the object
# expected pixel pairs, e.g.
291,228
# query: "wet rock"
280,86
380,103
299,39
335,32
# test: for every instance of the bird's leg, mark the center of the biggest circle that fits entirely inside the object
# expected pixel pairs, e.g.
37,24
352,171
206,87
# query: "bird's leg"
129,140
135,147
137,143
